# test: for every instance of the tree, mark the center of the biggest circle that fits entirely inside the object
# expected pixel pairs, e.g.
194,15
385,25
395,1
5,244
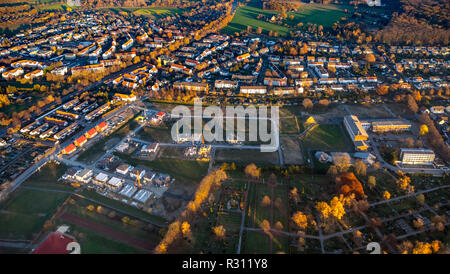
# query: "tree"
423,129
421,199
324,209
360,168
371,182
278,226
332,171
342,162
382,90
386,195
307,104
418,223
412,105
370,58
265,225
293,194
219,231
252,171
300,220
266,201
337,208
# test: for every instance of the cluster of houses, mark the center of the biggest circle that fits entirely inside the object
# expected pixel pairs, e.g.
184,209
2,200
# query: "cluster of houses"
125,181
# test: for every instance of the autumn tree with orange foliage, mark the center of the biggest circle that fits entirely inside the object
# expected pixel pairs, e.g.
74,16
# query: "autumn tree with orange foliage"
348,184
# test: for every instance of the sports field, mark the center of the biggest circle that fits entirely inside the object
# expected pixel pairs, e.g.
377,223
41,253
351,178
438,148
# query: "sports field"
327,138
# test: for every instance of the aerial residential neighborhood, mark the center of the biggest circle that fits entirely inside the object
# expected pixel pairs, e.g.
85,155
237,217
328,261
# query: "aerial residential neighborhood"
94,94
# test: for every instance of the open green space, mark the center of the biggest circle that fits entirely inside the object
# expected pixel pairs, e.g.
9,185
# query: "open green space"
23,214
319,14
155,134
127,209
247,16
80,209
186,170
327,138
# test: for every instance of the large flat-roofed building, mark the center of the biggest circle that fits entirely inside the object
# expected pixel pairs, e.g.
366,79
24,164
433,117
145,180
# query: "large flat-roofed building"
356,131
390,125
417,156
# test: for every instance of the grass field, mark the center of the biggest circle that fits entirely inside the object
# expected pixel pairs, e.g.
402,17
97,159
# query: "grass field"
327,138
319,14
246,16
180,169
24,213
26,210
155,134
123,207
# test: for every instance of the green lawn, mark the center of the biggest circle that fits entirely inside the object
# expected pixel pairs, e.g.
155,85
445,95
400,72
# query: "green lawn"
319,14
246,16
24,213
26,210
327,138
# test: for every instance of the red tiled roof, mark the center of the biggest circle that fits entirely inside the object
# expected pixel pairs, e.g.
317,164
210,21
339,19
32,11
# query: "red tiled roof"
69,149
101,126
91,132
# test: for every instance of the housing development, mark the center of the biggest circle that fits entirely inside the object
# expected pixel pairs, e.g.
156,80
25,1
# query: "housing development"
116,133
